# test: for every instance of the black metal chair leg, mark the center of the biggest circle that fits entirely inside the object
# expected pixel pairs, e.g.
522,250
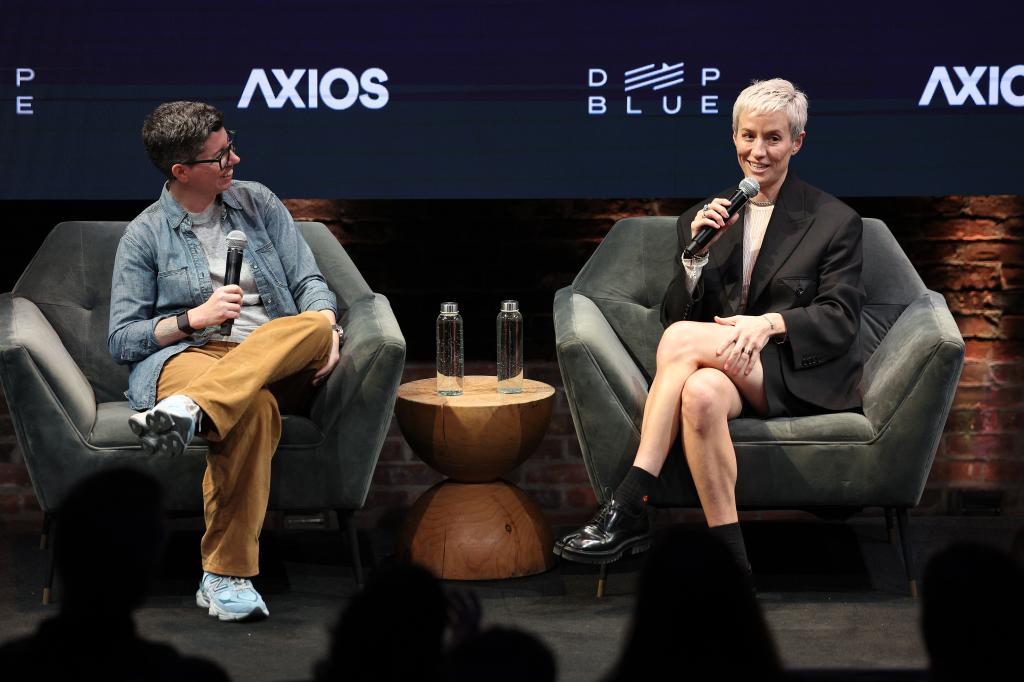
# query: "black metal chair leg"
353,543
889,528
44,535
902,522
50,544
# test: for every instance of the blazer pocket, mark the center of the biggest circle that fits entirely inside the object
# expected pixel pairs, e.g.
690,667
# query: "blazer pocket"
802,288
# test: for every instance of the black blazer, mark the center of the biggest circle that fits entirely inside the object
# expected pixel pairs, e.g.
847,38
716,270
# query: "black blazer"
809,270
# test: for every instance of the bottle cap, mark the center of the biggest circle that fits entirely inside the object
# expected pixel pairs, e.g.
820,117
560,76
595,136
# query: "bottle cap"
450,307
510,306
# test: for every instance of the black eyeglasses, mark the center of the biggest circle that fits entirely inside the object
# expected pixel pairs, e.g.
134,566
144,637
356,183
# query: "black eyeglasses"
221,159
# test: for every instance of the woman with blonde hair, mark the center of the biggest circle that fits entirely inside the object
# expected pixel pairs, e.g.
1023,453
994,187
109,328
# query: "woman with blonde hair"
763,321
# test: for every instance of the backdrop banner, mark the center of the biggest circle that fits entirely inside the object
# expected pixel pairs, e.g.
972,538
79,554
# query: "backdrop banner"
517,98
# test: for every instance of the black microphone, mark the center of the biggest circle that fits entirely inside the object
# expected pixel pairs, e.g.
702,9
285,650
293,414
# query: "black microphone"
748,189
233,268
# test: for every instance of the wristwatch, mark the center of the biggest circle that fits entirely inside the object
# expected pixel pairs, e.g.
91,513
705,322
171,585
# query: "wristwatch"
339,331
183,325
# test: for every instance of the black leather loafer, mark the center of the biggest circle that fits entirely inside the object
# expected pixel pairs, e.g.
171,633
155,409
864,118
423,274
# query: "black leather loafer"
611,533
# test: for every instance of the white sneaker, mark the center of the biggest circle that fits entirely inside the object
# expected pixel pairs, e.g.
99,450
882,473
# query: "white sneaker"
230,598
168,427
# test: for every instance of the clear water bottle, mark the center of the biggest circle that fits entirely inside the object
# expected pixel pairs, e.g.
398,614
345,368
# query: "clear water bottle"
510,348
450,359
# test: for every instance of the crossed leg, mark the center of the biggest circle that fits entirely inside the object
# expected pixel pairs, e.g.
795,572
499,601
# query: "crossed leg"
691,388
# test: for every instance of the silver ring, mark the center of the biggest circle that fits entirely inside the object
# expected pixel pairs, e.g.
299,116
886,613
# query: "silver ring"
747,352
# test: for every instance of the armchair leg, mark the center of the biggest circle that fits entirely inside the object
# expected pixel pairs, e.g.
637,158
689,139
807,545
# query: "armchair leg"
349,524
889,528
50,541
902,521
602,579
45,533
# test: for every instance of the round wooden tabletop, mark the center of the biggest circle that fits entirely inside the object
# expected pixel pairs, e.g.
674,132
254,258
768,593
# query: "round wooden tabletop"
477,436
478,391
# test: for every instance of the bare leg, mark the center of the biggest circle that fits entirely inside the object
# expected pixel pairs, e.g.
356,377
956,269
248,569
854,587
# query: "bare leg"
685,347
689,371
709,401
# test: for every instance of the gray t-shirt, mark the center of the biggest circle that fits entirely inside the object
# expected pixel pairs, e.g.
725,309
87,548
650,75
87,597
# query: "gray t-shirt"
207,227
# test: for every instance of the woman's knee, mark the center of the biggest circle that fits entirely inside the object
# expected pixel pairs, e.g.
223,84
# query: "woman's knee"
706,398
677,341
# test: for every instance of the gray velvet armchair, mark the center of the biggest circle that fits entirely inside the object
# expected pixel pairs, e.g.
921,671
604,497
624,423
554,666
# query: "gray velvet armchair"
66,393
607,327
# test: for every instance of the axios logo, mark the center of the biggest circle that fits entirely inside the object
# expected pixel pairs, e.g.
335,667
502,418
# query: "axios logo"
971,86
318,89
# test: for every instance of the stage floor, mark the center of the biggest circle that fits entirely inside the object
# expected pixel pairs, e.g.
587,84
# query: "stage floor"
833,593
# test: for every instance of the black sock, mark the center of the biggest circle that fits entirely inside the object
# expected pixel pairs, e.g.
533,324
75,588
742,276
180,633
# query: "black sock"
732,537
634,490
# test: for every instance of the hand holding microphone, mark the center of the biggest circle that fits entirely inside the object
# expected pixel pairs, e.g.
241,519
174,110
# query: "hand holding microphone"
233,272
711,221
225,305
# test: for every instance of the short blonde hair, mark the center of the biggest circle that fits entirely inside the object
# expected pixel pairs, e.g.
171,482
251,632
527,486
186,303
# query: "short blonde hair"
767,97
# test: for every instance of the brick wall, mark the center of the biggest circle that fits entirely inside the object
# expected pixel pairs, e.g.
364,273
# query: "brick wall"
971,249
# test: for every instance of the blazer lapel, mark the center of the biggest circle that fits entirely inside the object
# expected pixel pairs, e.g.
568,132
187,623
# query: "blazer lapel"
788,224
726,257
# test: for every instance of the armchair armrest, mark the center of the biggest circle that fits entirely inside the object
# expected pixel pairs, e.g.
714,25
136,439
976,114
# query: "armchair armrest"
354,410
607,390
28,339
918,361
908,385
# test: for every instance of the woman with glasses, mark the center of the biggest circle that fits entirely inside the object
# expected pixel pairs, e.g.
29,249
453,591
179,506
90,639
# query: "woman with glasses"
214,358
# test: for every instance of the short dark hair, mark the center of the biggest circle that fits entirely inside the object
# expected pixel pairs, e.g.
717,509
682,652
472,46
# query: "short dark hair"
176,132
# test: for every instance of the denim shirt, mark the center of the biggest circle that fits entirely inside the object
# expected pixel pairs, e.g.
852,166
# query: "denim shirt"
161,271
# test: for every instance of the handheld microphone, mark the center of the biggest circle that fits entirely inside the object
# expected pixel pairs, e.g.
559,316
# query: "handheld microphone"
233,267
748,189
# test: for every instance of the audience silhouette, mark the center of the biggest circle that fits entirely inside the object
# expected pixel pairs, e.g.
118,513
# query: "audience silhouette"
501,655
972,601
695,614
392,630
109,542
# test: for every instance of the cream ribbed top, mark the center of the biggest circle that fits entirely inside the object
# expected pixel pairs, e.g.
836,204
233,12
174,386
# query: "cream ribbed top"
755,222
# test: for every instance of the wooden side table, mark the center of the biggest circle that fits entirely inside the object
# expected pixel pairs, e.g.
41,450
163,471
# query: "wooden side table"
475,526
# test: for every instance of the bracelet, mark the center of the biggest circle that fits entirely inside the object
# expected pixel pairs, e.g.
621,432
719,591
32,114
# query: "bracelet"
776,339
696,261
183,325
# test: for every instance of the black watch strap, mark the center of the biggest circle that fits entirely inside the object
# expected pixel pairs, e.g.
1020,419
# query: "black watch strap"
183,325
